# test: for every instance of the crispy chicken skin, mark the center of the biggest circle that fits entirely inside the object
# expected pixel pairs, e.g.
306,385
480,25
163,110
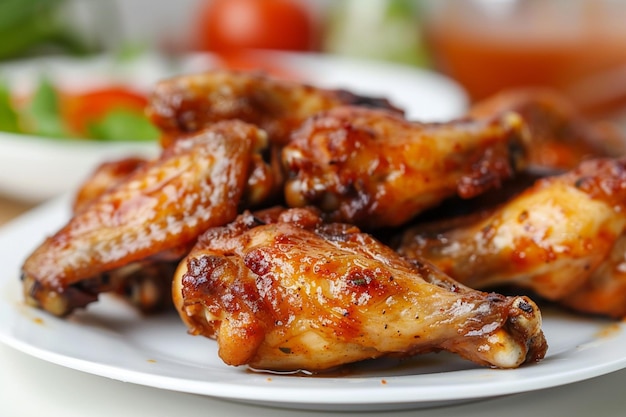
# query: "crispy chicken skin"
563,238
160,208
604,292
373,168
287,292
105,176
561,137
188,103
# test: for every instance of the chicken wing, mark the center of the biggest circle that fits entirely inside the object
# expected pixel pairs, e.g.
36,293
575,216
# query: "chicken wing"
373,168
561,137
297,294
161,207
558,238
188,103
146,284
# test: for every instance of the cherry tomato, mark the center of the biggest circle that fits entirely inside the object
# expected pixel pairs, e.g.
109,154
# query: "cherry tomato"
79,110
226,25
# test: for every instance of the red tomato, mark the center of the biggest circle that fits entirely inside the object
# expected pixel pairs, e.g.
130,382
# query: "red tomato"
78,110
226,25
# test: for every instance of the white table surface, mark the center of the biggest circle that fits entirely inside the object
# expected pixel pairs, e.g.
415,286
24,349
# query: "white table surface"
32,387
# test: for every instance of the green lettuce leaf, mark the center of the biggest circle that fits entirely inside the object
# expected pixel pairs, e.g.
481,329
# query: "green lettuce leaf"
8,116
42,113
123,125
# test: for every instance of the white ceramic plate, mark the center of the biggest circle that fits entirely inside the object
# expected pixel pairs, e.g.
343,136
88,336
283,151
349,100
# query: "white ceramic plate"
34,169
111,340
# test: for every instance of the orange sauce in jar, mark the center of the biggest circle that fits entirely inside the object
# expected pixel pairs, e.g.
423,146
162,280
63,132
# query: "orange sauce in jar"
576,46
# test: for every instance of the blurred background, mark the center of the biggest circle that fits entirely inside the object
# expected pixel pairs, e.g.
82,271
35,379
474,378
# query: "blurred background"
577,47
383,28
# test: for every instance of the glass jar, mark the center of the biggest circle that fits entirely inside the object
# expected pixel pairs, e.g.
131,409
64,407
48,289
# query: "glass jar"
575,46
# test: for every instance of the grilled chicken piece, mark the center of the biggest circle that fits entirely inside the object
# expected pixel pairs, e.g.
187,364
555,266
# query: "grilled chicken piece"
162,207
373,168
561,137
298,294
559,238
147,283
188,103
